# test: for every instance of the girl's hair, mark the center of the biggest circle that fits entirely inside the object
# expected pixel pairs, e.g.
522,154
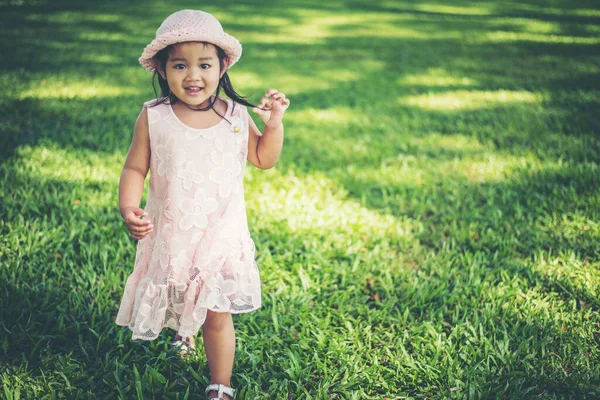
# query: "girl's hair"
166,96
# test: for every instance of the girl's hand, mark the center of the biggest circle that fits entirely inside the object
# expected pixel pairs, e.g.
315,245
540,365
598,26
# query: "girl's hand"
139,228
272,107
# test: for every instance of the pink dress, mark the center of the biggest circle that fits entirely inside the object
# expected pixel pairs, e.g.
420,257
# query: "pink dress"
200,255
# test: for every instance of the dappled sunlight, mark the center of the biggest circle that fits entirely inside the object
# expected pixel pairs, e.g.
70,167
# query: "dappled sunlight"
585,12
315,27
568,269
455,142
53,163
494,169
67,17
316,203
52,89
101,58
435,77
341,116
470,100
419,166
505,36
526,24
294,84
227,17
477,8
534,303
105,36
81,179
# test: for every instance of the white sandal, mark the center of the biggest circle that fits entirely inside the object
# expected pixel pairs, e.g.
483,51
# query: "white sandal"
184,346
220,389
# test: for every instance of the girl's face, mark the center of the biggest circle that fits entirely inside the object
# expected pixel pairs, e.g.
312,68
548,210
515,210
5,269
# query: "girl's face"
193,72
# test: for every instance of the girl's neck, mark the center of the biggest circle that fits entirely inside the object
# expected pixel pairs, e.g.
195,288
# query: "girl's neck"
200,119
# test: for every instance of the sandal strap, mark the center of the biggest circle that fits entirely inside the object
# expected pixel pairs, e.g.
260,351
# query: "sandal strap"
179,343
220,389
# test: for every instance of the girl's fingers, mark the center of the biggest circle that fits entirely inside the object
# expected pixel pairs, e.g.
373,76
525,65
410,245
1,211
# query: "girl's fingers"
138,222
259,111
141,229
271,92
272,98
263,102
139,236
280,97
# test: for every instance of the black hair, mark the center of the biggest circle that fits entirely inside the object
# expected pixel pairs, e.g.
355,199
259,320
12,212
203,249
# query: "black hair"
166,96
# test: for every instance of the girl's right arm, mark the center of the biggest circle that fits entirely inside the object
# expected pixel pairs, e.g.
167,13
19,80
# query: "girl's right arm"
131,185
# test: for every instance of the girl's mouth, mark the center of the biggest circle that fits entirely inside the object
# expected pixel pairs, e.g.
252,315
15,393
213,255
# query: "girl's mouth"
193,90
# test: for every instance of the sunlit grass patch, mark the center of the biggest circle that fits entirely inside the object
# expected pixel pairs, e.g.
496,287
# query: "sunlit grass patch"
436,142
339,116
297,83
294,83
92,176
68,17
316,204
436,77
54,163
477,9
585,12
470,100
527,25
104,36
409,170
504,36
53,89
579,278
316,27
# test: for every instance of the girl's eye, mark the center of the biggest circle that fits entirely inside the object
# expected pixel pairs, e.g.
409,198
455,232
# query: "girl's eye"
205,66
179,66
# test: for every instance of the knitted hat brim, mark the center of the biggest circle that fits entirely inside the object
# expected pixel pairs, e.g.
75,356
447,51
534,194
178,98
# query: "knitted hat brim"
230,45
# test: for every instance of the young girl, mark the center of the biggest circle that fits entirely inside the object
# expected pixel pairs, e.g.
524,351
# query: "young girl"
195,263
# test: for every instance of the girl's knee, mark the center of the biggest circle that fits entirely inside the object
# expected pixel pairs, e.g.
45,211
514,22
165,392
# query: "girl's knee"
217,320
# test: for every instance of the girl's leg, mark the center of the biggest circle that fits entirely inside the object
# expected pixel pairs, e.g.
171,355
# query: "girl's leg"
219,345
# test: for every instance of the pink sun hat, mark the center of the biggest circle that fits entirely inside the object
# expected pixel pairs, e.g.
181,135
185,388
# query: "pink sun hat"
191,26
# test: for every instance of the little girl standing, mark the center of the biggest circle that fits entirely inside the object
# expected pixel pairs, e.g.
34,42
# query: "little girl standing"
194,264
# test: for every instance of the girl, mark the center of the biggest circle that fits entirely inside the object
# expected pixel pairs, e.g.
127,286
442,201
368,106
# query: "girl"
195,263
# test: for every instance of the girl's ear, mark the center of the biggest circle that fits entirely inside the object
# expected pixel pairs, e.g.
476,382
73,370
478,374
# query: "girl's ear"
162,72
159,69
224,68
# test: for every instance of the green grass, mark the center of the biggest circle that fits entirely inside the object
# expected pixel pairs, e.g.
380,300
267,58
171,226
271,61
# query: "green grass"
432,229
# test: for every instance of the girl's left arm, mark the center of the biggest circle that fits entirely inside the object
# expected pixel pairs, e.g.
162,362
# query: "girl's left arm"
264,148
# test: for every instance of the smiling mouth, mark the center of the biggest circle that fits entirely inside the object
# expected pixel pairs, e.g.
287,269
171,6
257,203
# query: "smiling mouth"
193,89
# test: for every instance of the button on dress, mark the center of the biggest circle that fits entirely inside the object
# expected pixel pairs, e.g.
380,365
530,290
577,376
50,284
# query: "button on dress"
200,255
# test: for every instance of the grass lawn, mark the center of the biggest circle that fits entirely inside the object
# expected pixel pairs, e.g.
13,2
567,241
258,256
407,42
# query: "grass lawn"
432,229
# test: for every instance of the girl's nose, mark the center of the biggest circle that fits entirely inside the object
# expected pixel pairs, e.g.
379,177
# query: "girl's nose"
194,73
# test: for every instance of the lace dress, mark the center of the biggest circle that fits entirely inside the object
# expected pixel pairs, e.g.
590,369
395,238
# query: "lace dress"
200,255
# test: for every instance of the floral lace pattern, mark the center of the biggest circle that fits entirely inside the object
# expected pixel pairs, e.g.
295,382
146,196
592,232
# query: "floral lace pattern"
190,175
196,210
200,255
169,159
